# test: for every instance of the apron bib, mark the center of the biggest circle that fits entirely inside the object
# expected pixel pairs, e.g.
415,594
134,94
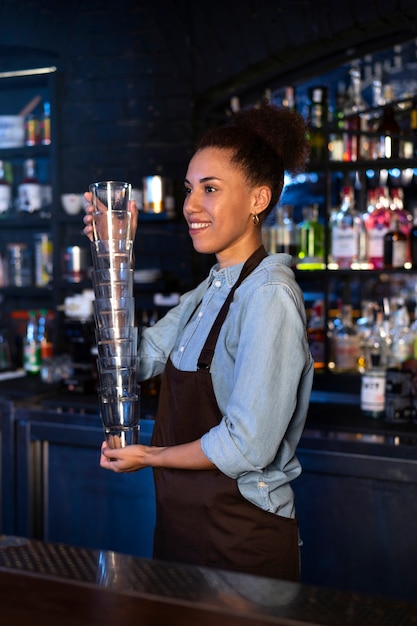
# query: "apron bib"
201,516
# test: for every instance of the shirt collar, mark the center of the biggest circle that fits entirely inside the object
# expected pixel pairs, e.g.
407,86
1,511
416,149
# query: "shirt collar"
229,274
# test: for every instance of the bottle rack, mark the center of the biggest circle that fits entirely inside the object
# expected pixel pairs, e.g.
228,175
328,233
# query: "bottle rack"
330,283
26,226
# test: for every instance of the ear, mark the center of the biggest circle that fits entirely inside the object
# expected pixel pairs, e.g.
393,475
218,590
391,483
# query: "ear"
262,198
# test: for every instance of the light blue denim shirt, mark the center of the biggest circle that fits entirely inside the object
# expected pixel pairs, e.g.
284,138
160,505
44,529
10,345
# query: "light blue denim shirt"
262,374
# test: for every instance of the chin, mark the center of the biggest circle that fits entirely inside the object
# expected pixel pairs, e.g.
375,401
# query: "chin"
202,249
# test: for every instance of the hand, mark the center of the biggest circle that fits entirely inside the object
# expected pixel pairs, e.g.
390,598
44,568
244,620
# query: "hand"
128,459
136,457
88,217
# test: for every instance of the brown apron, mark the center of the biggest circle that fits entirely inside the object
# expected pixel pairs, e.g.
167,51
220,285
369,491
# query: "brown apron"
201,517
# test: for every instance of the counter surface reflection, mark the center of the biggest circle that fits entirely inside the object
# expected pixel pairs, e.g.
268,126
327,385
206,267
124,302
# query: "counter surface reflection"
47,583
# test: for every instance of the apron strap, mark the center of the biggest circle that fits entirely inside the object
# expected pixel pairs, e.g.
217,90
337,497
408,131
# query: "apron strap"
207,353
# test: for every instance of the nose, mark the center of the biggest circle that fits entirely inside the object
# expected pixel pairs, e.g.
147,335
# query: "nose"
191,203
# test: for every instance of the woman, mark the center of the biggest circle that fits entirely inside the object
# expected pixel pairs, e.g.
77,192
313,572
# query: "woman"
235,390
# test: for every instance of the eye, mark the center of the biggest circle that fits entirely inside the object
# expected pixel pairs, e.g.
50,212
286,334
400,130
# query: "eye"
187,190
209,189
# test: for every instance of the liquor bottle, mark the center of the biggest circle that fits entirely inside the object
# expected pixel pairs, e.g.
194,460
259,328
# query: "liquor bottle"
413,125
365,326
389,134
373,118
44,336
355,120
288,100
19,265
317,122
316,335
338,124
29,172
32,130
46,124
346,342
402,337
5,190
31,347
397,208
373,379
30,189
346,229
377,223
286,231
413,240
311,240
395,246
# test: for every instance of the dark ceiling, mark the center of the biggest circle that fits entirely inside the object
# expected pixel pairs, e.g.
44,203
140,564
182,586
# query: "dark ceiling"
216,49
235,47
221,48
224,47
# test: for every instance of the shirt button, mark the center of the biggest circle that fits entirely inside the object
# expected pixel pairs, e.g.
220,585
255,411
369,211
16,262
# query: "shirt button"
217,283
200,314
181,349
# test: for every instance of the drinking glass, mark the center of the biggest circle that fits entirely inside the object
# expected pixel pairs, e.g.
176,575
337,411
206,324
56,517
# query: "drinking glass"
120,418
107,253
110,275
111,217
117,348
117,332
125,378
114,318
108,304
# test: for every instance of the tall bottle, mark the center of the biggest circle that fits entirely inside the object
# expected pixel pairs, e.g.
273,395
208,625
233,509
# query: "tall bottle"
346,231
346,342
402,337
413,125
413,240
286,230
338,125
389,134
365,326
311,239
317,122
355,120
395,245
44,336
46,124
31,347
373,118
5,190
373,379
316,335
377,223
288,100
30,189
397,208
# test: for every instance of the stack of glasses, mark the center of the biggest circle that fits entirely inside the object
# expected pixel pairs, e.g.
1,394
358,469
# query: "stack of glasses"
114,313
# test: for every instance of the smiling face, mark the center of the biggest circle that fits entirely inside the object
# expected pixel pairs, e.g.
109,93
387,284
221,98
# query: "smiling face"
219,206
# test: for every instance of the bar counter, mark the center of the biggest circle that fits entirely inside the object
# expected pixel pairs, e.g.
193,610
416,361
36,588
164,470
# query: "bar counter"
356,498
55,584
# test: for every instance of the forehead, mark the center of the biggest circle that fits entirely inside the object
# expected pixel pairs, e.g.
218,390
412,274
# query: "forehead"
212,162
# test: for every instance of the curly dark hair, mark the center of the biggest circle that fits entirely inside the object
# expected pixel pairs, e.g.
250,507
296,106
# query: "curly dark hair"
267,141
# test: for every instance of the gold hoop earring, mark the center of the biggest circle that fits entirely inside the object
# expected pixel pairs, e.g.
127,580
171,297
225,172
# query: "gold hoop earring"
255,218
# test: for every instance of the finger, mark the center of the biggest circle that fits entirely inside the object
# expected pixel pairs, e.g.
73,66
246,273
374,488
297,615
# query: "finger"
89,232
134,216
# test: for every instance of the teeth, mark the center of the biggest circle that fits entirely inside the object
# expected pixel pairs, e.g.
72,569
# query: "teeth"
196,225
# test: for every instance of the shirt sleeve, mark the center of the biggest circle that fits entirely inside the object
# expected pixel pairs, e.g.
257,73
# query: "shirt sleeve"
157,342
272,354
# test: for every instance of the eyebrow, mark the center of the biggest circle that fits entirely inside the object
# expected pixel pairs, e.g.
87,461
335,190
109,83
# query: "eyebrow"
203,180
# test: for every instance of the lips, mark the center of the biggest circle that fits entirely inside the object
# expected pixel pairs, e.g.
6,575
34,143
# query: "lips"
198,225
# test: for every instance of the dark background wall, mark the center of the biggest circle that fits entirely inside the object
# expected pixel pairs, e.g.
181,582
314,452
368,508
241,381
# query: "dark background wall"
139,78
